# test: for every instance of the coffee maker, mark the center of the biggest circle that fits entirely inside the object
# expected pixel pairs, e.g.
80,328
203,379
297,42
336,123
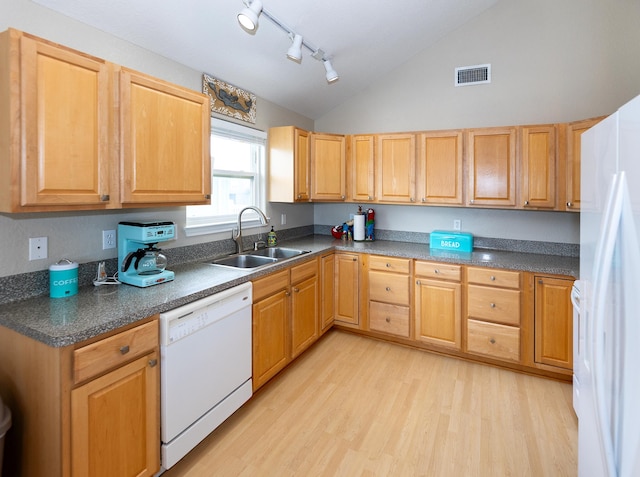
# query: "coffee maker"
140,263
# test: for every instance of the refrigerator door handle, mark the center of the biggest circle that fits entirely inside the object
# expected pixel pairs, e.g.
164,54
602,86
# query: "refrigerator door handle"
602,272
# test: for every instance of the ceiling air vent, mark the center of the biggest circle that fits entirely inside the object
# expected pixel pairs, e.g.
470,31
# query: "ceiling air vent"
468,75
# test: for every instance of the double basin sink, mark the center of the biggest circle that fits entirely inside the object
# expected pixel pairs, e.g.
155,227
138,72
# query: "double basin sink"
258,258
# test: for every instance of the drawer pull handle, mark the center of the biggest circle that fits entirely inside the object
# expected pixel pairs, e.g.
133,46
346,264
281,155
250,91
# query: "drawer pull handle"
153,363
124,349
492,341
388,289
492,305
493,279
387,319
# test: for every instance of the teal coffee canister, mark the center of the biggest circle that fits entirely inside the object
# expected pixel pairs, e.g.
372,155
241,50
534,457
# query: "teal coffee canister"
63,279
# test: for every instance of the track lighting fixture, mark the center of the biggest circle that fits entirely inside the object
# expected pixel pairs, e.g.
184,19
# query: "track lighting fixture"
294,52
332,76
248,19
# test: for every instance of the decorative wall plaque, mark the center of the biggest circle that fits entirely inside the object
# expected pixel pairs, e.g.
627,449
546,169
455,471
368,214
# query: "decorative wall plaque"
229,100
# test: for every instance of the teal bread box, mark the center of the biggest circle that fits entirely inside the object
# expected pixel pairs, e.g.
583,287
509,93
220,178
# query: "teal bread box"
458,241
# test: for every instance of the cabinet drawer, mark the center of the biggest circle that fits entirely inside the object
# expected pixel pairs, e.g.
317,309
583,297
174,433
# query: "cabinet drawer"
270,284
441,271
493,340
494,304
305,270
392,319
493,277
389,288
111,352
389,264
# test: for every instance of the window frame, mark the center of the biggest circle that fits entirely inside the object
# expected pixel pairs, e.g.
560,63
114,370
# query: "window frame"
221,223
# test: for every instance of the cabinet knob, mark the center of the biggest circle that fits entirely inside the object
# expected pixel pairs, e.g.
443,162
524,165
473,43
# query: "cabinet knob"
207,196
124,349
412,199
526,202
387,319
342,197
492,305
492,278
153,363
296,289
418,282
424,200
569,204
104,198
388,289
299,196
287,293
471,201
369,197
388,265
354,259
436,271
540,282
492,341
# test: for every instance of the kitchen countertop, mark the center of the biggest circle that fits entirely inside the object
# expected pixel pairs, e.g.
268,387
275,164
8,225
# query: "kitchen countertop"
60,322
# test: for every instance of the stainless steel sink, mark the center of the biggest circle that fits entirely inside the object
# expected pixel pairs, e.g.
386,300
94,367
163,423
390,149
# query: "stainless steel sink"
277,252
258,258
244,261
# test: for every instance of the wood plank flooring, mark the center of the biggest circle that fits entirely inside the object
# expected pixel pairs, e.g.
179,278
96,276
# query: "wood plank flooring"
354,406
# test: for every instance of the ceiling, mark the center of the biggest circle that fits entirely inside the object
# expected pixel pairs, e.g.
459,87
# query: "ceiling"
365,39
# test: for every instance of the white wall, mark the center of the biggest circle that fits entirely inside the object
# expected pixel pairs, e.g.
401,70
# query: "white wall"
78,236
552,61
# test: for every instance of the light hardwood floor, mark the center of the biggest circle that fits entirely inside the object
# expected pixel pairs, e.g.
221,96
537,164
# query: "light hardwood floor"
354,406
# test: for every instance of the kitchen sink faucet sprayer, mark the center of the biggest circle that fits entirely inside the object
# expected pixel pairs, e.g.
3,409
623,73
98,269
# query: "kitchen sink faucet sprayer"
237,235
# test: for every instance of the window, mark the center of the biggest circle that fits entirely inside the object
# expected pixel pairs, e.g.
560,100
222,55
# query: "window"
237,179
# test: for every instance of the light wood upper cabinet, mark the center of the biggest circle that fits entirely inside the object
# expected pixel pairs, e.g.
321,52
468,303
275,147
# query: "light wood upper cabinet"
164,142
361,168
289,165
440,167
491,156
55,130
573,134
396,168
538,161
328,167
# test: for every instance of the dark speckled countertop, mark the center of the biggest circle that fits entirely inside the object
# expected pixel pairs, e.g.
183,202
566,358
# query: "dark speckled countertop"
60,322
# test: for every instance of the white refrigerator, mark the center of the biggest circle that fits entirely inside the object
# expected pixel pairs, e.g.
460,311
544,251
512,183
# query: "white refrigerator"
607,318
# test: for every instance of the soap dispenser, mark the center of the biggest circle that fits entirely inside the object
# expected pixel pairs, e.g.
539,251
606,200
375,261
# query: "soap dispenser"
272,238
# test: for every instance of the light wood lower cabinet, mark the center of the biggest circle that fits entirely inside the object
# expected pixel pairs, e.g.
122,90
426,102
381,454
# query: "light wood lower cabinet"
493,313
86,409
327,291
347,282
285,318
389,295
438,304
553,322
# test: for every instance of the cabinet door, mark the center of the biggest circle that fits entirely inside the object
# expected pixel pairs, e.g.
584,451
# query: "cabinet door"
491,155
361,168
328,167
270,337
115,429
302,166
65,101
327,292
538,159
573,148
304,315
438,313
396,168
440,168
553,322
347,289
165,136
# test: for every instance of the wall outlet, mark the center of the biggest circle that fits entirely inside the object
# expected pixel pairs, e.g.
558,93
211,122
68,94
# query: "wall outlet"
108,239
457,224
38,248
283,219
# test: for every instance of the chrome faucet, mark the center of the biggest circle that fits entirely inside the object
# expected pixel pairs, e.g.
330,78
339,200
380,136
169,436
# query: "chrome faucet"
237,235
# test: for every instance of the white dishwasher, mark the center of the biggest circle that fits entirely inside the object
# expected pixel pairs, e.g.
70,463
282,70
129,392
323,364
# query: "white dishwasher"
205,350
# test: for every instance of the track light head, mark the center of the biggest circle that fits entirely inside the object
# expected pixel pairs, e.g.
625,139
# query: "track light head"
331,75
248,17
294,53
